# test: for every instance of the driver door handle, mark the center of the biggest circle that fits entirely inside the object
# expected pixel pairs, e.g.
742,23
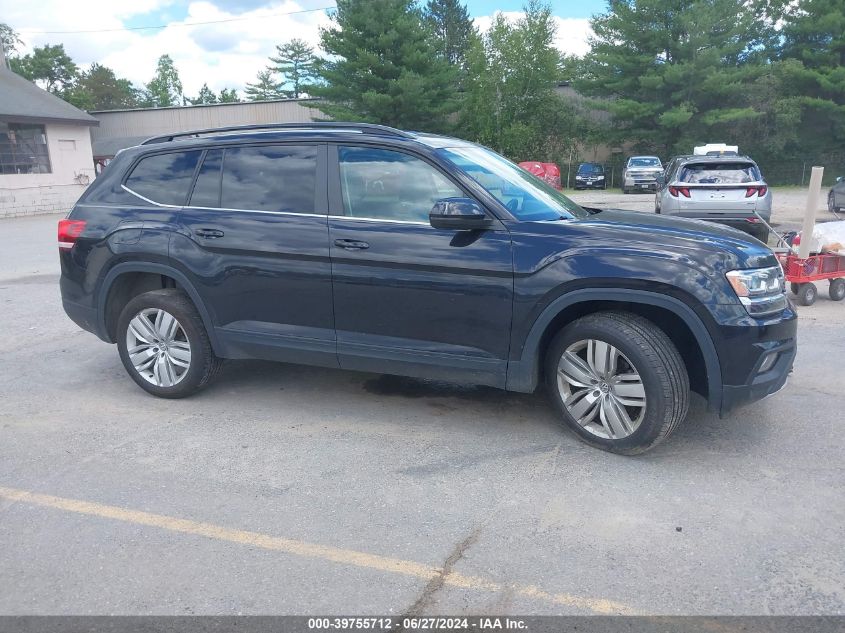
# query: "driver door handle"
351,245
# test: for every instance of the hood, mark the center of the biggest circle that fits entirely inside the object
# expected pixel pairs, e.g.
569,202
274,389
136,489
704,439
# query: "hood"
690,239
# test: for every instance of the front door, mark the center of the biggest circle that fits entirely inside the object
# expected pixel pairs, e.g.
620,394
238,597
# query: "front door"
255,235
410,299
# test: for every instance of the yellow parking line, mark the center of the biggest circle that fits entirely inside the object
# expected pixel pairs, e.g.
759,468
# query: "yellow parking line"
308,550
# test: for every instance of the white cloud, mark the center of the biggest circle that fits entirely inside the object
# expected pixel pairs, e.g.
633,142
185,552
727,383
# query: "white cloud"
571,33
225,55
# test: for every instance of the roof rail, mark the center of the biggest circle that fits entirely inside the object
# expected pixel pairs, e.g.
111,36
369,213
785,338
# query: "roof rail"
370,128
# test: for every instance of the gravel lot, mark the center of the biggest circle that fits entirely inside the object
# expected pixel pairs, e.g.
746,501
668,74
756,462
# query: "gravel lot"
284,489
788,204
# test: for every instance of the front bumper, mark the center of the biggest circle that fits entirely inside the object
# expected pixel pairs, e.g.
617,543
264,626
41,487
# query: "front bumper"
585,184
745,352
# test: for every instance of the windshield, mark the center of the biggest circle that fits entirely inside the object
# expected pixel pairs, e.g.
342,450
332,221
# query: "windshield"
588,168
525,196
644,161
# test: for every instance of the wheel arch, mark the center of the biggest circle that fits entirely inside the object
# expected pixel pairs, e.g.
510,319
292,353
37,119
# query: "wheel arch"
524,374
117,278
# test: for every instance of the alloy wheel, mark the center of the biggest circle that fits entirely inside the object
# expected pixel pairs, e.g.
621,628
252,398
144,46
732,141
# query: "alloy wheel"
158,347
601,389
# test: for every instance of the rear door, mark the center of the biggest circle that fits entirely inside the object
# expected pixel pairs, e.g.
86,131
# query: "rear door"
254,237
411,299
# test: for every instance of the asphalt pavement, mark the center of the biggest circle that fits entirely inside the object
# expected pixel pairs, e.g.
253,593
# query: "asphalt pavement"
290,490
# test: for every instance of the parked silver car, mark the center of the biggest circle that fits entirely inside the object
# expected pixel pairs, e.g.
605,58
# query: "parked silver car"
640,174
724,189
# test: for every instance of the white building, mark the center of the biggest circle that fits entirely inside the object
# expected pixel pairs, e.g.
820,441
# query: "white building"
45,149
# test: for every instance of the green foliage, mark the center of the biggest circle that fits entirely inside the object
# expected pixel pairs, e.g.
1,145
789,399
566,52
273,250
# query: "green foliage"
49,66
264,88
99,88
814,35
510,103
165,88
10,40
296,63
204,97
382,67
452,27
228,95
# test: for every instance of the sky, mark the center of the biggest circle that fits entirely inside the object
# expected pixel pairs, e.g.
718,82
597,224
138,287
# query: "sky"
234,43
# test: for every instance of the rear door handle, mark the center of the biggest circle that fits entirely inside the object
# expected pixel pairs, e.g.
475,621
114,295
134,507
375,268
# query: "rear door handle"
351,245
209,233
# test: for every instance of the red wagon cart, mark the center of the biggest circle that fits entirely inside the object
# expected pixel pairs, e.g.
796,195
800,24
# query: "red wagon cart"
801,273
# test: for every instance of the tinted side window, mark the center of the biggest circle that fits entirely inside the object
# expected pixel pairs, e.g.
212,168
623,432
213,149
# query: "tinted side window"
207,188
270,178
164,178
383,184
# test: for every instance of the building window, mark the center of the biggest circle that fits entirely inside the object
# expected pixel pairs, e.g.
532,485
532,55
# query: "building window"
23,149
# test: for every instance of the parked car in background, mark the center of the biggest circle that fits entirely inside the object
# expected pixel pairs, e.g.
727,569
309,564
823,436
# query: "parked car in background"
836,196
547,172
640,174
725,189
590,176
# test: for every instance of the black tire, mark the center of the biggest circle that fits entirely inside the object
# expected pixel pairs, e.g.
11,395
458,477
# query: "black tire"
203,366
652,354
836,292
794,288
625,190
807,294
761,234
830,205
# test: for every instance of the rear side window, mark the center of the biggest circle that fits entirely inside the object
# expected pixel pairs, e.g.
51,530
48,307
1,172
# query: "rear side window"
269,178
164,178
719,173
207,188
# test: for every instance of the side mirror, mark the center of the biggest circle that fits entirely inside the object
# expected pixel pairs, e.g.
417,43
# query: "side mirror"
839,179
459,214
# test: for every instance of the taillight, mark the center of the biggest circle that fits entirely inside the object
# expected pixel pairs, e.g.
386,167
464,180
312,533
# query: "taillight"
760,191
684,191
69,230
673,191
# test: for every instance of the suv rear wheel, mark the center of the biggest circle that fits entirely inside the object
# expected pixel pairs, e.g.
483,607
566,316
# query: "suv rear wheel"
619,382
163,344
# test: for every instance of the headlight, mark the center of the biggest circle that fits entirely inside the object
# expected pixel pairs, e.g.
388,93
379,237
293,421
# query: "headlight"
760,290
579,177
599,177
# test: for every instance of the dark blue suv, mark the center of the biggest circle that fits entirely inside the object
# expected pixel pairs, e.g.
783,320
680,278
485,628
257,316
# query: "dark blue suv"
364,247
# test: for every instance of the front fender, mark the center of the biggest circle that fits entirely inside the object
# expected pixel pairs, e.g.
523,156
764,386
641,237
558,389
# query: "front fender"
523,372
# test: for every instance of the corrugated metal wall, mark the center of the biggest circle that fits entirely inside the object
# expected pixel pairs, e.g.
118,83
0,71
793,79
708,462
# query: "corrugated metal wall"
149,122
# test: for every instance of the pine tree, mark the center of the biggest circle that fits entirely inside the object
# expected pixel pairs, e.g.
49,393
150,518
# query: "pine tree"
674,72
383,67
814,36
453,28
264,88
295,62
228,95
204,97
99,88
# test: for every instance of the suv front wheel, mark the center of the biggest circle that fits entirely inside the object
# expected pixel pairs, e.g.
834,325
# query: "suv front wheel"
163,344
619,382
